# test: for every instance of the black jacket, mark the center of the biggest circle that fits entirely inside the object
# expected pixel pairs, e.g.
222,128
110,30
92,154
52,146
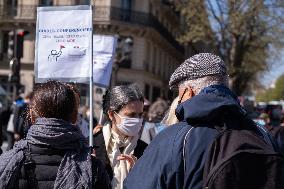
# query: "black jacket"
4,118
21,121
278,133
101,153
47,162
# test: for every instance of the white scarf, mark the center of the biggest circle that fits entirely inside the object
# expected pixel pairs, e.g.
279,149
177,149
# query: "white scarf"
120,167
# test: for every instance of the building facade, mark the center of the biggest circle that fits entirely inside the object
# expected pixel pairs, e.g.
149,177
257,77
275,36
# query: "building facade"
147,51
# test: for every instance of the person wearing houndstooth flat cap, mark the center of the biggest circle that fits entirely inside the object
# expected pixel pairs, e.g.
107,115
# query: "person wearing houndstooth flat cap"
176,157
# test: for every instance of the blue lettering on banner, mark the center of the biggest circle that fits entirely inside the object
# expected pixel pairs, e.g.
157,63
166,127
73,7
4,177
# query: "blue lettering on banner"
70,30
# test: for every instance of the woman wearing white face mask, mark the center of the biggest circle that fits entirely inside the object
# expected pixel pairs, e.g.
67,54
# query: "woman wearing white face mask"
117,143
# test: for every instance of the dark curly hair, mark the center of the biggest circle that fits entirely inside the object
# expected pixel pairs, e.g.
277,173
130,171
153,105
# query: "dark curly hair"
53,99
120,96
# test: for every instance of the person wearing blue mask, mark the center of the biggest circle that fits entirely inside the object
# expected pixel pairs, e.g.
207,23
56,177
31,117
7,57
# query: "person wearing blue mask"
117,143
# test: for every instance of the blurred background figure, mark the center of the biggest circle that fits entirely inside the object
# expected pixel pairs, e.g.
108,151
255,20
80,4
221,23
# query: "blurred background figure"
83,115
278,134
11,123
83,121
157,110
117,143
147,105
276,116
272,118
21,119
153,125
84,112
264,120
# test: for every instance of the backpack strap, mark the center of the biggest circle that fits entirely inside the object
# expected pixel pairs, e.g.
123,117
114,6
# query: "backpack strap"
219,129
29,168
183,150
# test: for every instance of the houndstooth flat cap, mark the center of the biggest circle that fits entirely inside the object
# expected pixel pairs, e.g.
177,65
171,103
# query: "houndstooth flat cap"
197,66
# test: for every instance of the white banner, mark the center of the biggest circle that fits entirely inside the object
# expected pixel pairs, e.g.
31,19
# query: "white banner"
103,50
63,43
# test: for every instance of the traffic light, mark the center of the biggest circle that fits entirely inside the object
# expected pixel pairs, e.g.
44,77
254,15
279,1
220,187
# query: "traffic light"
16,43
20,34
11,43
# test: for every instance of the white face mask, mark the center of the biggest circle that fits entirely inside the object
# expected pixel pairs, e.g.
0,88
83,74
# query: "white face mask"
129,126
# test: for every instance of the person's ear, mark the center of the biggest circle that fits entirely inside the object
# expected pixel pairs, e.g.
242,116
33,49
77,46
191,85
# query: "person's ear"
190,92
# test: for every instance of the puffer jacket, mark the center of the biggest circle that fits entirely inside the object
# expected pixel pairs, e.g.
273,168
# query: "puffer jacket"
47,161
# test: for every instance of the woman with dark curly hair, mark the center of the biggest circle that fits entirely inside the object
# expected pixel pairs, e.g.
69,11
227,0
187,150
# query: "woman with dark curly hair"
117,143
54,153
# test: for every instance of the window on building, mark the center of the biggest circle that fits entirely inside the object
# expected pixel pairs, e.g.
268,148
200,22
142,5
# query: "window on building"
167,70
124,51
172,66
150,57
161,65
82,2
45,2
123,83
11,2
147,59
156,93
127,6
151,8
157,62
154,60
147,91
4,39
4,42
12,7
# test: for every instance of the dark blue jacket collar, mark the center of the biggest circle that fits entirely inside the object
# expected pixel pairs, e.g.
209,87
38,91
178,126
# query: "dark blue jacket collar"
210,105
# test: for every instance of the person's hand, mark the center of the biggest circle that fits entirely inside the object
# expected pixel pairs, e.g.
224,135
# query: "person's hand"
17,137
131,159
97,128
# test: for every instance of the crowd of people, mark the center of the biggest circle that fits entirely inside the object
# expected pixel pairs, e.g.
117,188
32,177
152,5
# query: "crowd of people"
204,138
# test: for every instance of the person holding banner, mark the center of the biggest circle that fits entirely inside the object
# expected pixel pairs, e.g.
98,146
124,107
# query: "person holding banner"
54,153
117,143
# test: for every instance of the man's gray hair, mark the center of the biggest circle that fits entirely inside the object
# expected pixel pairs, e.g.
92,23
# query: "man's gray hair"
200,83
